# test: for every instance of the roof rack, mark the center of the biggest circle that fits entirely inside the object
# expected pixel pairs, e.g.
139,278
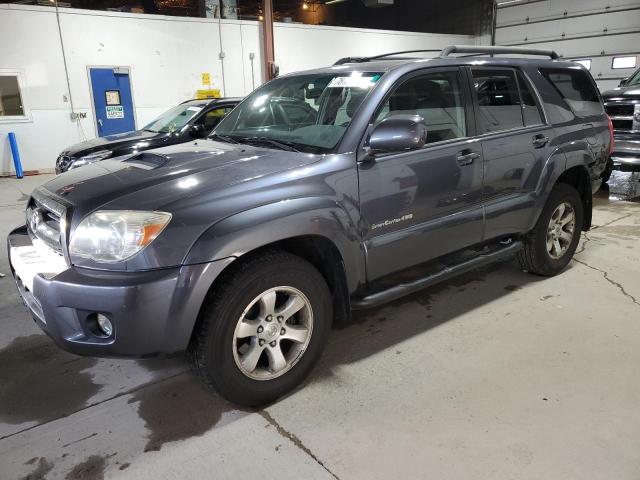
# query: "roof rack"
495,50
342,61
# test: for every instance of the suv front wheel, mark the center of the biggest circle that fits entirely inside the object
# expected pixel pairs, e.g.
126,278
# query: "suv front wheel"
263,328
549,247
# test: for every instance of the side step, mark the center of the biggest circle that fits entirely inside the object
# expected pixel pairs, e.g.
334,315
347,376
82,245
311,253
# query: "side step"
403,289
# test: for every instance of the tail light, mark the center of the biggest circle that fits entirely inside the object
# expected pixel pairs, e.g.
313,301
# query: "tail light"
611,138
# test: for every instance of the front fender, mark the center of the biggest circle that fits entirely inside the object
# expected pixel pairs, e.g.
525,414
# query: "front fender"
243,232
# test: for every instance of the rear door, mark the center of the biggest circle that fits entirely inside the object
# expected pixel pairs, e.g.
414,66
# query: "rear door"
112,100
516,143
421,204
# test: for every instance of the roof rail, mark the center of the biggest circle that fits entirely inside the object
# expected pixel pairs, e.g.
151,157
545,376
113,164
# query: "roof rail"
494,50
342,61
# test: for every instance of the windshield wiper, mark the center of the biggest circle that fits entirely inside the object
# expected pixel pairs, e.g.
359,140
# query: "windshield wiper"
224,138
281,144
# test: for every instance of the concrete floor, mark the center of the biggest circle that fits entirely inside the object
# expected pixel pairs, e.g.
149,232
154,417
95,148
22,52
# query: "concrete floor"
498,374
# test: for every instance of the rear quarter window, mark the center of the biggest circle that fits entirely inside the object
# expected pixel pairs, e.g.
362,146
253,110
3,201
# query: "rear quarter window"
576,89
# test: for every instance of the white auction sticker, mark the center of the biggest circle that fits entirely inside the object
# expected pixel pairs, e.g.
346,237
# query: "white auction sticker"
353,81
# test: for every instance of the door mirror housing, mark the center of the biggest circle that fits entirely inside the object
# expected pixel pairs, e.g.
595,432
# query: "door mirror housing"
197,131
623,82
397,133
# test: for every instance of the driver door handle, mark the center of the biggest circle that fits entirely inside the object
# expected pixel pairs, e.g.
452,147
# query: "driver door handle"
466,157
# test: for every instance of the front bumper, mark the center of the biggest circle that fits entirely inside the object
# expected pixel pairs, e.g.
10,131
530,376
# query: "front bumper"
626,154
152,312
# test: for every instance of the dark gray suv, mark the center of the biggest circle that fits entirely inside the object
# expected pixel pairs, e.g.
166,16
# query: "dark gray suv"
324,191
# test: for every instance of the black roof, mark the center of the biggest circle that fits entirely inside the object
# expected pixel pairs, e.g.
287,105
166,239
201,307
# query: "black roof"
211,101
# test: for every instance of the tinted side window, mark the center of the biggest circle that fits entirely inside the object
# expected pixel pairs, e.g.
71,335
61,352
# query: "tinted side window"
530,109
498,99
437,97
210,119
577,90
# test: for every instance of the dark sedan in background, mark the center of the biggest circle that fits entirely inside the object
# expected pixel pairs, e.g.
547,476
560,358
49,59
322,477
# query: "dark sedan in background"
184,122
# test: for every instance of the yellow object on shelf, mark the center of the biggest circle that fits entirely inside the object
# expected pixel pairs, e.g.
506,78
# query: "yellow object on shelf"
210,93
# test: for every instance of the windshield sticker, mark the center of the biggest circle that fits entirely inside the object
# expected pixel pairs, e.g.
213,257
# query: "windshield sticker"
194,109
353,81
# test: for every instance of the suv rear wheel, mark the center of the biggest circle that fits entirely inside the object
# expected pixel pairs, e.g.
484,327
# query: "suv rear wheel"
549,247
263,329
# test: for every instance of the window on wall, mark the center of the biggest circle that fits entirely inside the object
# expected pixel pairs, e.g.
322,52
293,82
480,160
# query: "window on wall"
623,62
585,62
10,97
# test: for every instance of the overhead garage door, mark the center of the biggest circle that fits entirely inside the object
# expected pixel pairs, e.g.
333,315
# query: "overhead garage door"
603,34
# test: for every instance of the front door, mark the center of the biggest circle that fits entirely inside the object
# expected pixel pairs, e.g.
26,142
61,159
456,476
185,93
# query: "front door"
112,102
425,203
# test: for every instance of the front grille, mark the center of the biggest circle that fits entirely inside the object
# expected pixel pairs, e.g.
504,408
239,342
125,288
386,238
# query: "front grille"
620,109
624,115
622,124
43,217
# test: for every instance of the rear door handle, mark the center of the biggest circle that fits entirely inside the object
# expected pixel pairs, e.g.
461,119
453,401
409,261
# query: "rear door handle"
466,157
539,140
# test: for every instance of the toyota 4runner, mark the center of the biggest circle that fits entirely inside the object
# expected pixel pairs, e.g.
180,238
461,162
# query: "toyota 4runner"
324,191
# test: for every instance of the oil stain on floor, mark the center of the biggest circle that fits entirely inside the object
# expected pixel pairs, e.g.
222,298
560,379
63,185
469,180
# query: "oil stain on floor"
92,468
177,409
43,467
33,368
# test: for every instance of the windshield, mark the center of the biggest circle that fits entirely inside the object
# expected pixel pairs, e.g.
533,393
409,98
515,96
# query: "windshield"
174,119
634,80
308,112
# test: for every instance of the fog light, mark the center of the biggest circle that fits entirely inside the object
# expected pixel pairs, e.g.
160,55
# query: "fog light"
105,325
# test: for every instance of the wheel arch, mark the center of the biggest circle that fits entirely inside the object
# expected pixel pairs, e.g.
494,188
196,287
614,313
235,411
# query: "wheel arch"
578,177
316,229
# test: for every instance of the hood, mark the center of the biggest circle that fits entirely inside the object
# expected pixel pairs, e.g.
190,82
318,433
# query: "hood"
623,93
112,142
171,178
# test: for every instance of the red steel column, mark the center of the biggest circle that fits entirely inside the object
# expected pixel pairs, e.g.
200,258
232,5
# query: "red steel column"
267,31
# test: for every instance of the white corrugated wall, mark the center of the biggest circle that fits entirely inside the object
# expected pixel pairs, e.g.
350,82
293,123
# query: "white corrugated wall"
596,31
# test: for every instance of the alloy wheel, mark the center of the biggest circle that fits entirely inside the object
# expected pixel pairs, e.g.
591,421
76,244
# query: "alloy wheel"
272,333
561,230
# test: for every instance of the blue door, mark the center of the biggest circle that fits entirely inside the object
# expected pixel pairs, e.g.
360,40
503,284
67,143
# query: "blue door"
112,101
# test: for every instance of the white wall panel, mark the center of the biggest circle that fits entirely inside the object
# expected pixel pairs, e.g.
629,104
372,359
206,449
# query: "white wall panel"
324,45
519,12
166,56
570,28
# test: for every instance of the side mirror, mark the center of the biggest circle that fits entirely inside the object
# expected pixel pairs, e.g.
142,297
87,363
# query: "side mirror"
197,131
398,133
623,82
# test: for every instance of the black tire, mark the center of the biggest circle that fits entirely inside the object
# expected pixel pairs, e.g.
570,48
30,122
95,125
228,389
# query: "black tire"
213,344
534,257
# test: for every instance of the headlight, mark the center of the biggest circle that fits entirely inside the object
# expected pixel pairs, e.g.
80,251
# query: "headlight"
91,158
110,236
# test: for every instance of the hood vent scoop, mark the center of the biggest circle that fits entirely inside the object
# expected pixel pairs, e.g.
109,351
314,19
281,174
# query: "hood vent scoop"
147,160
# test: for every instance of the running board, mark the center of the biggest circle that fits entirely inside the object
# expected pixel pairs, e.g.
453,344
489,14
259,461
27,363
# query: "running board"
398,291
